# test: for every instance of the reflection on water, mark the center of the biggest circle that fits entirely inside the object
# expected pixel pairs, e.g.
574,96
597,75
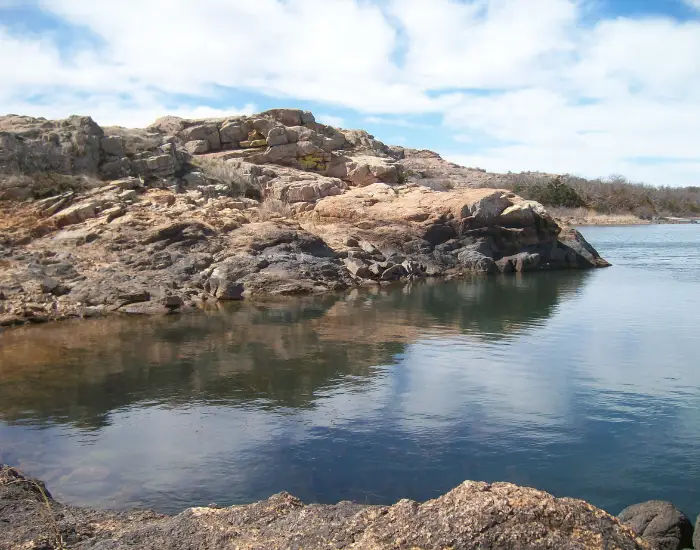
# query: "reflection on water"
580,383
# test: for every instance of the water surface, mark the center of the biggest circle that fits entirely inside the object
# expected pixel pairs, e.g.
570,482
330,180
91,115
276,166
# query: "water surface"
585,384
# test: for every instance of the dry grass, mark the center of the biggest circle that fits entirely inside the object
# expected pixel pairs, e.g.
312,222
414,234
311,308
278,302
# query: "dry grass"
588,216
274,208
45,184
614,195
228,173
58,542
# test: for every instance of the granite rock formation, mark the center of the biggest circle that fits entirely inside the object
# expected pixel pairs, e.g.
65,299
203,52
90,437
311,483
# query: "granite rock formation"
183,212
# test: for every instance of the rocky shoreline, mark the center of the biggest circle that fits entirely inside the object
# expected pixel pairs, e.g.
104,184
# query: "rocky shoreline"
474,515
186,213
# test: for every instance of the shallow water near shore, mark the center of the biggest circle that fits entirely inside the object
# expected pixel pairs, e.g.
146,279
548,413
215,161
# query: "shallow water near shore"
584,384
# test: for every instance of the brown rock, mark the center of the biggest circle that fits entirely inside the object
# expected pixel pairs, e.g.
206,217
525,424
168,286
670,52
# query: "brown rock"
474,515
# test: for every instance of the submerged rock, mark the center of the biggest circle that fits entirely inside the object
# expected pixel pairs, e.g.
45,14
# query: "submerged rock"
474,515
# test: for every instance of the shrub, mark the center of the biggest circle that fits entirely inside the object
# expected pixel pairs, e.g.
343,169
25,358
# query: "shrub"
614,194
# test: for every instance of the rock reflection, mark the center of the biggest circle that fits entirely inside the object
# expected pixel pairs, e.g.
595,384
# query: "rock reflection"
279,354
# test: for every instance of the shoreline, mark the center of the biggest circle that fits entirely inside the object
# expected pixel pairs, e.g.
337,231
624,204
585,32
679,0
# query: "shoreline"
585,217
482,515
93,313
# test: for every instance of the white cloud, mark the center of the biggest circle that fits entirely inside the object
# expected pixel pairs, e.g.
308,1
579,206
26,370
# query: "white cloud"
693,3
331,120
536,80
392,121
495,44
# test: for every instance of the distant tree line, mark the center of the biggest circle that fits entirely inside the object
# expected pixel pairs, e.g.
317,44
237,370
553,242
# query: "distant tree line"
610,195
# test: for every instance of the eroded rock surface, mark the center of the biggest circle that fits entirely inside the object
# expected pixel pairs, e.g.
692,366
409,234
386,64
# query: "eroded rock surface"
474,515
166,218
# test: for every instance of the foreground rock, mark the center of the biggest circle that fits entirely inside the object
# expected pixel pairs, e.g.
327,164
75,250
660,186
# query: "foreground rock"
474,515
660,523
190,212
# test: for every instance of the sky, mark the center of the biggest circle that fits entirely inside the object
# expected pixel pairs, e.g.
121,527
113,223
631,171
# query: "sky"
585,87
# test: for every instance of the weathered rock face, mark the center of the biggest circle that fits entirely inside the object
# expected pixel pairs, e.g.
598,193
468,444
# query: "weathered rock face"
444,232
30,145
474,515
186,212
660,523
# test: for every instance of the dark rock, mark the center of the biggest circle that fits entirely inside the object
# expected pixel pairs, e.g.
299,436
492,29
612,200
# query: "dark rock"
179,231
172,301
112,145
413,268
394,273
583,254
134,297
358,268
526,261
476,261
224,281
505,265
439,233
660,523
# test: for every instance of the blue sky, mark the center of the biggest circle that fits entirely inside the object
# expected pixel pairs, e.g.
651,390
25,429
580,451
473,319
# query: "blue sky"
589,87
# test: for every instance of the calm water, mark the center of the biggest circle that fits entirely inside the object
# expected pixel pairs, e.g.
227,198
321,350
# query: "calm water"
585,384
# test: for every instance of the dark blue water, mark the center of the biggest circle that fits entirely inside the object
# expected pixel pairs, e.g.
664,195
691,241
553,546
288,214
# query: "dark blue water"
585,384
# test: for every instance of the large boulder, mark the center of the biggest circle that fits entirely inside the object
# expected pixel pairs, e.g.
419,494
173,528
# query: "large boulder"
233,132
365,170
583,253
696,534
287,117
207,131
223,283
292,186
30,145
660,523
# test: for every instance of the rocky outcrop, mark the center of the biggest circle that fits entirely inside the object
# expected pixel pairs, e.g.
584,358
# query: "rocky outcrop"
660,523
186,212
474,515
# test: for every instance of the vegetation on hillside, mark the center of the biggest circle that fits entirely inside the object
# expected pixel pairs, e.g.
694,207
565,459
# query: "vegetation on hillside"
611,195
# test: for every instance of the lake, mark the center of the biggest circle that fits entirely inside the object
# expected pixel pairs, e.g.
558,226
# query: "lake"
584,384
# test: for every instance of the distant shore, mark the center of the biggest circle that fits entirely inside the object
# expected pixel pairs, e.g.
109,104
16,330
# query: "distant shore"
585,216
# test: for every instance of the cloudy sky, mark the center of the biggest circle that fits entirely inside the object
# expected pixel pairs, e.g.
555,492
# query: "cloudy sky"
588,87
